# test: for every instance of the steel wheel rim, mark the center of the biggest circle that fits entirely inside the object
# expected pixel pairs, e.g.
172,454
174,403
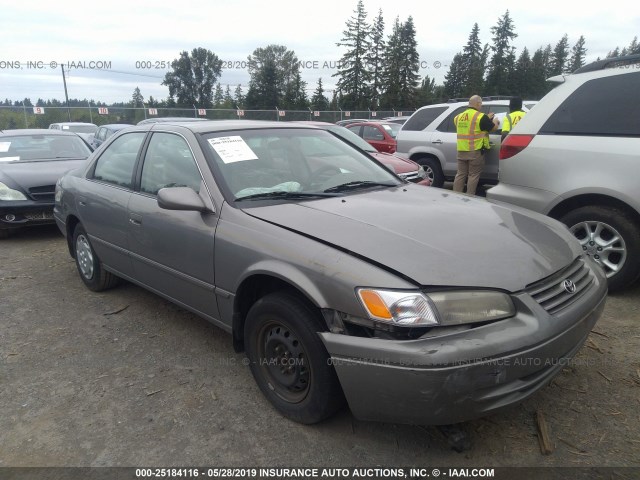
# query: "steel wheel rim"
284,362
84,257
603,243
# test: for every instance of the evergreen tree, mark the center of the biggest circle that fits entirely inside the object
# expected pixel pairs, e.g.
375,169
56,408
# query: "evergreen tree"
578,53
375,60
392,67
547,58
227,99
192,78
319,101
560,56
409,65
427,92
137,100
523,78
634,46
538,75
454,79
503,56
218,96
614,53
296,95
474,59
352,72
238,96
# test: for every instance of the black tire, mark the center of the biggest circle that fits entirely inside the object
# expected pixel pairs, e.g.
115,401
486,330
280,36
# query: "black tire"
89,266
288,359
596,228
433,170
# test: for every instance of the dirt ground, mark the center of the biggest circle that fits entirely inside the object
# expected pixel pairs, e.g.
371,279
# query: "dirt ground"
124,378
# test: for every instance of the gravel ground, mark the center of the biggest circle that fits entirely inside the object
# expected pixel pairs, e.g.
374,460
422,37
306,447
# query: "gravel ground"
124,378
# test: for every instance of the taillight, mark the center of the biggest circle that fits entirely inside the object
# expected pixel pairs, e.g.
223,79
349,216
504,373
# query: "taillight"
514,144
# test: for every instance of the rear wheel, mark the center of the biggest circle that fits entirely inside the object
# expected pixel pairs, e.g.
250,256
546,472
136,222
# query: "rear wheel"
433,170
88,263
288,359
612,238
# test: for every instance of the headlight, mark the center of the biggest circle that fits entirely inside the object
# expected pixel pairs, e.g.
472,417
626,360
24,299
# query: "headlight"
8,194
58,195
435,308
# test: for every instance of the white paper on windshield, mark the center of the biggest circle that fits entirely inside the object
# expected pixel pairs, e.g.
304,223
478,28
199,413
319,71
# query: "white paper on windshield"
232,149
4,147
9,159
65,127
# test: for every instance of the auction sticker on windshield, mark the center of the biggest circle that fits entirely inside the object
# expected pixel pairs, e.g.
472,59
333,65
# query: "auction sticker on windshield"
232,149
4,147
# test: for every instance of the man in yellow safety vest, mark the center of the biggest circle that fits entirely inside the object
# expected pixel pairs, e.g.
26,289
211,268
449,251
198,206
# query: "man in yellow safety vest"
514,116
472,127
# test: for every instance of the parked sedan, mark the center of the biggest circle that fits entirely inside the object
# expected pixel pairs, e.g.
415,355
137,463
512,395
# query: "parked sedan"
105,131
403,167
337,279
380,135
83,129
31,161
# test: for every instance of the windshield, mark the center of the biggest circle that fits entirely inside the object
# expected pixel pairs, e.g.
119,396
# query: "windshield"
351,137
292,164
41,147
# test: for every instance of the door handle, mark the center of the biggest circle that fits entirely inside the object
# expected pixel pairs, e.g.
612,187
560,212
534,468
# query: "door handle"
135,219
438,142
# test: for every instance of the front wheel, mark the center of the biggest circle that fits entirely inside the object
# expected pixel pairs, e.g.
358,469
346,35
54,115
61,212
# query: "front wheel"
612,238
288,359
88,263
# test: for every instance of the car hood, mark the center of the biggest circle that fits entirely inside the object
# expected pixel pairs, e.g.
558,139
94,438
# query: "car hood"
434,237
31,174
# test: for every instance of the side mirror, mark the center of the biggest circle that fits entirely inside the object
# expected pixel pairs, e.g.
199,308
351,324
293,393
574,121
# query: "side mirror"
180,198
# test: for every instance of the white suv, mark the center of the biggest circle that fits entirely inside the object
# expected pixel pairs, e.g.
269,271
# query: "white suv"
429,138
576,157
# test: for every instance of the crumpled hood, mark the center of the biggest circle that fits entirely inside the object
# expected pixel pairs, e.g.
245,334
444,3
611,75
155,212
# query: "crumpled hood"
433,236
32,174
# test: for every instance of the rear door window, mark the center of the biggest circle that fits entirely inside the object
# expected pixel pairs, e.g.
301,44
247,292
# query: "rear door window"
116,163
423,118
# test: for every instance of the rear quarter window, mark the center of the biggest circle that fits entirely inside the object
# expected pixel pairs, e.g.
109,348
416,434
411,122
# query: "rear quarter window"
606,106
423,118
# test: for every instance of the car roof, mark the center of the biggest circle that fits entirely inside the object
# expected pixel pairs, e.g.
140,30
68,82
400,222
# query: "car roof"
222,125
116,125
170,120
36,131
75,123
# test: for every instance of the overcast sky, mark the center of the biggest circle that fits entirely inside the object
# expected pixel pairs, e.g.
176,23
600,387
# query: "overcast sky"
117,34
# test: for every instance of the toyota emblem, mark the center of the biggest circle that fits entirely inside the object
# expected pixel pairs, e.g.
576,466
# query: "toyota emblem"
569,286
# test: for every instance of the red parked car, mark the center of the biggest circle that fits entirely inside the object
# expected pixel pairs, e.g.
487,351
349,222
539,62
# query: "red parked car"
403,167
381,135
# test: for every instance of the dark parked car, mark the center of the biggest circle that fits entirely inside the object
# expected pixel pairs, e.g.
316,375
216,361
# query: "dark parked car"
105,131
31,161
380,135
403,167
336,278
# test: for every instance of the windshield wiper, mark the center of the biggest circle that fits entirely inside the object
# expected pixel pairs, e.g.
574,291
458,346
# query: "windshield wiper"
359,184
285,195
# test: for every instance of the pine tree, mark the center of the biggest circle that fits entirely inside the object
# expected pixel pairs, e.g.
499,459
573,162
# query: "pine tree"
522,77
634,46
296,95
218,96
392,67
319,101
499,68
547,58
454,79
375,60
614,53
137,100
238,97
352,72
578,53
474,58
272,70
192,78
227,99
410,64
560,56
427,92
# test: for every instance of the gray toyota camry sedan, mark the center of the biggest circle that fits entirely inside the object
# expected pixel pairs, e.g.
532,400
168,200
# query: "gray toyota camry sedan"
339,280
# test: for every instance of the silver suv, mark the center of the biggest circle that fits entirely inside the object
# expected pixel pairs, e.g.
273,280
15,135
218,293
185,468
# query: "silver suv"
575,157
429,139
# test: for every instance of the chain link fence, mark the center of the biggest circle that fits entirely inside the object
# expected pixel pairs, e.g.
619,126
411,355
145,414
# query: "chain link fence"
12,117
